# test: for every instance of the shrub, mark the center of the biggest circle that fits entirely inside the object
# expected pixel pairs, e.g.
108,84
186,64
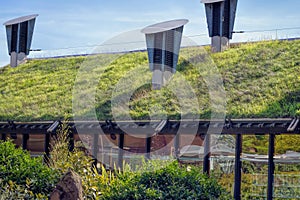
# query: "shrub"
12,191
152,180
63,160
18,168
169,182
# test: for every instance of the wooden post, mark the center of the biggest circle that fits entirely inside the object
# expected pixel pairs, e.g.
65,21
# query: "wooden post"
121,149
25,138
148,147
71,141
206,159
238,167
3,137
47,147
271,166
177,144
95,148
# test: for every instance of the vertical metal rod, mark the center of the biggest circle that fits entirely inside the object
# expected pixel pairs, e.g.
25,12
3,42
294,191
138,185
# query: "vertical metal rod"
148,147
95,148
238,167
3,137
47,147
176,144
271,166
121,153
71,141
24,141
206,159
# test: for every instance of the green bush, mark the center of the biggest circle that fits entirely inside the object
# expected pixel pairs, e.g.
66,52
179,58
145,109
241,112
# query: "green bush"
151,180
62,160
18,168
169,182
12,191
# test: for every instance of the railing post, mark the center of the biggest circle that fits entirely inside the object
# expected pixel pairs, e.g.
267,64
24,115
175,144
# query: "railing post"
271,166
47,147
148,147
25,138
206,158
121,150
238,167
50,130
3,136
176,145
95,148
71,141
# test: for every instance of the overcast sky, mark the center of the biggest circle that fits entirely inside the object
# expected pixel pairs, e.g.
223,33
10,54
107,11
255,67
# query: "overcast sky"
63,24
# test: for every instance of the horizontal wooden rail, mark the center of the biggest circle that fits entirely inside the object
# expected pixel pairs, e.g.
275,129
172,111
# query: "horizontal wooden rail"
229,126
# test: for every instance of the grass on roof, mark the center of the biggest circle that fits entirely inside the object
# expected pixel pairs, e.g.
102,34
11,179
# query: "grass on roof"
260,79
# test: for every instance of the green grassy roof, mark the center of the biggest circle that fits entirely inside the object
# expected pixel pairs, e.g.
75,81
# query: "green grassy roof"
260,79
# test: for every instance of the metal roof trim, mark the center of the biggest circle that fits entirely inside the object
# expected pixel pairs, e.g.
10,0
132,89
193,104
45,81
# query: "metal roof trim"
164,26
211,1
20,19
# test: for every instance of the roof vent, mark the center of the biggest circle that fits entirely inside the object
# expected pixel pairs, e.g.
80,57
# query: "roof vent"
163,45
220,15
19,33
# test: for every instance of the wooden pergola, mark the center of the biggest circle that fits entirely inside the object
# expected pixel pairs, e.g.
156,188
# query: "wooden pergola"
238,127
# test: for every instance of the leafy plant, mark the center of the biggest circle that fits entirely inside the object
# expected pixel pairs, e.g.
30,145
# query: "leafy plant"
18,168
78,161
171,181
284,143
12,191
152,180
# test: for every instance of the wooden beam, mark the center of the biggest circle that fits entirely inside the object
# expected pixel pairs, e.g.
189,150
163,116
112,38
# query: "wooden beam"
231,127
